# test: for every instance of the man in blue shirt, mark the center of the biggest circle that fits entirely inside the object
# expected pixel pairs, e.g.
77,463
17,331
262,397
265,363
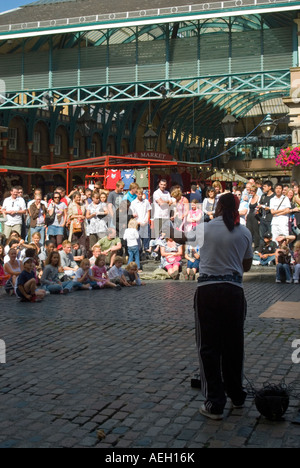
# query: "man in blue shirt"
131,194
195,194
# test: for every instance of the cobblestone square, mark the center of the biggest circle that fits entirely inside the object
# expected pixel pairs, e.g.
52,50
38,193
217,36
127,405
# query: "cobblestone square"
122,362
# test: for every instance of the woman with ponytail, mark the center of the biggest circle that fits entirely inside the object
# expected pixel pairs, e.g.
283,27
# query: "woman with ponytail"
220,307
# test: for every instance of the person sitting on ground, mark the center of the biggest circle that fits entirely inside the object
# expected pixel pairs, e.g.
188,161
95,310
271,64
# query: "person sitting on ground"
50,279
36,242
84,275
36,267
100,274
192,255
296,255
283,260
155,245
26,287
96,251
116,274
13,268
67,260
266,251
110,245
132,275
78,252
45,252
3,276
171,256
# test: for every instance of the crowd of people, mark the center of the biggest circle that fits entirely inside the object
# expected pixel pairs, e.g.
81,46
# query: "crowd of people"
94,238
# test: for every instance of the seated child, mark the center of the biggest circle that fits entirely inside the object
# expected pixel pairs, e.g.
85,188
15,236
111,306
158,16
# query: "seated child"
26,287
296,275
78,252
132,276
155,245
84,275
3,276
116,273
100,274
50,279
37,270
96,250
45,252
67,260
283,261
192,255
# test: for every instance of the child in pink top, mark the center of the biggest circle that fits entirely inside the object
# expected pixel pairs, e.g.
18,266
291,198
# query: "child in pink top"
100,274
194,215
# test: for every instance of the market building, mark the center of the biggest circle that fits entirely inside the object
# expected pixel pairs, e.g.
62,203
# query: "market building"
202,82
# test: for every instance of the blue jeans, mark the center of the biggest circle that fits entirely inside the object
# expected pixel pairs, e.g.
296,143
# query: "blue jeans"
145,235
134,255
57,288
284,270
263,261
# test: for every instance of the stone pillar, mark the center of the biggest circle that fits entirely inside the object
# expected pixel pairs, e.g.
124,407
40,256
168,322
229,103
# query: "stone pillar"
51,149
71,154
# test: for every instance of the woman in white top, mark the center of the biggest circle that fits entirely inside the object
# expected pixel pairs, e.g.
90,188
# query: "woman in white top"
14,268
95,214
209,204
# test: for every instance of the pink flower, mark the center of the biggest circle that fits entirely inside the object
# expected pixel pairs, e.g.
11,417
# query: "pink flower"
288,157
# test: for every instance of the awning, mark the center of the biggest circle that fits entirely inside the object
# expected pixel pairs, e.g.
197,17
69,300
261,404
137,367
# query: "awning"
227,177
27,170
106,162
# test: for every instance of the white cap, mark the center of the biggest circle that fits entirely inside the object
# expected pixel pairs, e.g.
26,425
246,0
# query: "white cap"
27,259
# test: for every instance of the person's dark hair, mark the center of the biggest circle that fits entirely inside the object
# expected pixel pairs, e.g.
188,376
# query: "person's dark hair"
227,208
268,183
31,252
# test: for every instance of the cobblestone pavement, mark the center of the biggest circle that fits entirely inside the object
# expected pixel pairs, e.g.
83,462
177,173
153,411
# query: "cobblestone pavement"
122,362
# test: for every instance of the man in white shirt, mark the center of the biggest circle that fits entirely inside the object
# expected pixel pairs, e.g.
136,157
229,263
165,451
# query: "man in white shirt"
162,201
280,208
141,210
13,208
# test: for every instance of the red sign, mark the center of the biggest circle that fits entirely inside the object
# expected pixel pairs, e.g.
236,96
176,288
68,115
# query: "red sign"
150,155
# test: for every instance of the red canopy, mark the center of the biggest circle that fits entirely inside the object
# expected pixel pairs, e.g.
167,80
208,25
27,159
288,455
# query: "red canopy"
108,162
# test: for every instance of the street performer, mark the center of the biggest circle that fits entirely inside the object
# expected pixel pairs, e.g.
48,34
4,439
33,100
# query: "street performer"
220,308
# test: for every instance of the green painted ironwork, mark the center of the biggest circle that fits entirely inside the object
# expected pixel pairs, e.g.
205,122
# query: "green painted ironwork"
199,61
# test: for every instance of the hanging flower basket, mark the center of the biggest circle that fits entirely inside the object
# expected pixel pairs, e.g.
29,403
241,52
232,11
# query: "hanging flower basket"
288,158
